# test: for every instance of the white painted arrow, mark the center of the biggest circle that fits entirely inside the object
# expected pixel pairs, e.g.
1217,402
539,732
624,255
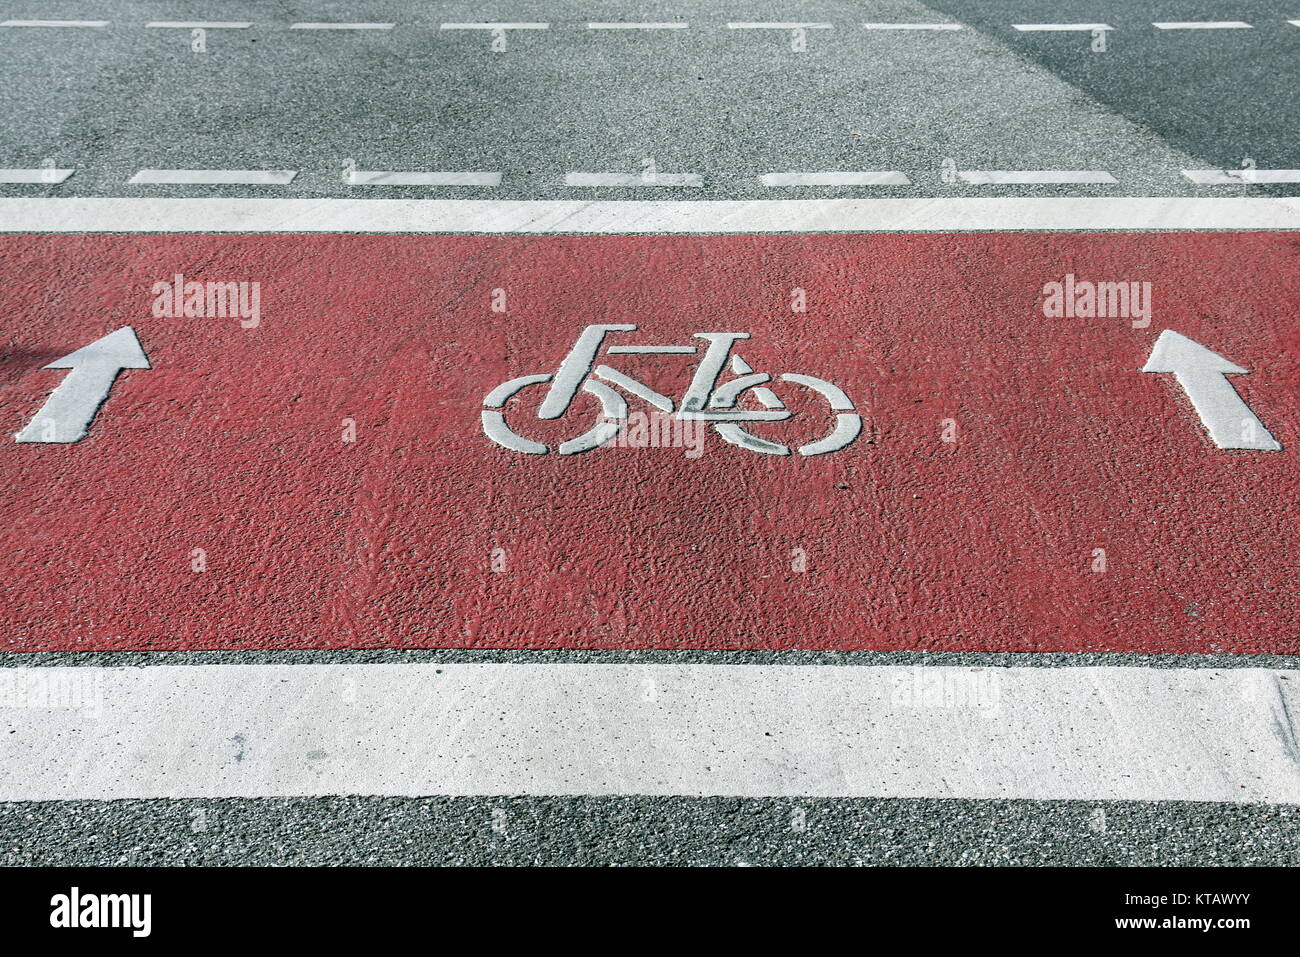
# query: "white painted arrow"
68,411
1203,376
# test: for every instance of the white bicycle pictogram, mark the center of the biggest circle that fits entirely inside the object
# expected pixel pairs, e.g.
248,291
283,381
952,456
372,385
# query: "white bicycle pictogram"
704,399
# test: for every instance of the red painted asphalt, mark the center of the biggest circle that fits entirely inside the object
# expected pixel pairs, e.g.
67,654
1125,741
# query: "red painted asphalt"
232,443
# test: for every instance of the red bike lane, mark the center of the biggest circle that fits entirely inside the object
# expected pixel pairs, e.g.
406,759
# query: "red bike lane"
317,475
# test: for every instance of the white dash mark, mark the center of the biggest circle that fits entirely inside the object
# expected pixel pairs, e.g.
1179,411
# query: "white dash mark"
1203,25
90,24
637,26
1236,177
41,175
341,26
215,177
1013,177
198,24
911,26
633,179
495,26
778,26
379,177
888,178
1294,23
1060,27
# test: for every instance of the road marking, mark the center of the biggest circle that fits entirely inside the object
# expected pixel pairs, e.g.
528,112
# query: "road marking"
637,26
341,26
198,25
1105,733
1203,25
1203,376
1237,177
1060,27
541,217
633,179
1009,177
67,413
40,175
215,177
885,178
379,177
495,26
911,26
779,26
89,24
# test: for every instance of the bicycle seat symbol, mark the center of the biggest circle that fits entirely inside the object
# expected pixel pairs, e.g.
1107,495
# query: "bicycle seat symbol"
704,400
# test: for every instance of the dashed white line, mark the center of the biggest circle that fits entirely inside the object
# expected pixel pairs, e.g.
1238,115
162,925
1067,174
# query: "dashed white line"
1237,177
89,24
637,26
779,26
494,26
198,24
911,26
215,177
633,179
341,26
40,175
1021,177
379,177
1203,25
1060,27
884,178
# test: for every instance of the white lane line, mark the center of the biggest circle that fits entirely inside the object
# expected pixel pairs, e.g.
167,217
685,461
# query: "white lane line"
1078,733
884,178
215,177
1294,23
199,24
622,217
778,26
495,26
1060,27
1203,25
380,177
637,26
1237,177
911,26
40,175
633,179
341,26
88,24
1022,177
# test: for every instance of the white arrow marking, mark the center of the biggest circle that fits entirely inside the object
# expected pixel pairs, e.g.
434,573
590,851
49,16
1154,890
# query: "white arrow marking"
68,411
1202,374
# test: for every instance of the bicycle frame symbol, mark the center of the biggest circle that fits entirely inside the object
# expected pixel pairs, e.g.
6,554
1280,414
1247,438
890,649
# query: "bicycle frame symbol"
704,399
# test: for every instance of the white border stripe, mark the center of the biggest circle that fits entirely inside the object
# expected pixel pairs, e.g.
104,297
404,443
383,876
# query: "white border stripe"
1239,177
964,214
1027,177
1108,733
215,177
42,175
1204,25
882,178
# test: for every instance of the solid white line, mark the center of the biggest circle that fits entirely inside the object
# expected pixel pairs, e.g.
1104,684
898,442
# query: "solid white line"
1060,27
210,177
198,25
414,729
778,26
379,177
633,179
1005,177
39,175
575,217
911,26
1204,25
890,178
637,26
91,24
1237,177
341,26
1294,23
495,26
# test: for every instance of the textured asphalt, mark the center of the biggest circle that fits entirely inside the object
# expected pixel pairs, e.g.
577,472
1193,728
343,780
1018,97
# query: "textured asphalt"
730,106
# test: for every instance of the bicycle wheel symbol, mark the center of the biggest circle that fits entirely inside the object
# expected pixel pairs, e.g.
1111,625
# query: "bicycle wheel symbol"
613,415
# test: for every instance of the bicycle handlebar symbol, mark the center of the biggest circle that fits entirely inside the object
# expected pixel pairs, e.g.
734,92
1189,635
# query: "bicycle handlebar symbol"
704,399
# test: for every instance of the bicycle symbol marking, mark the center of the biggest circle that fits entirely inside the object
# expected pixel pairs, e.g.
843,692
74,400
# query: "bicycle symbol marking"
704,399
